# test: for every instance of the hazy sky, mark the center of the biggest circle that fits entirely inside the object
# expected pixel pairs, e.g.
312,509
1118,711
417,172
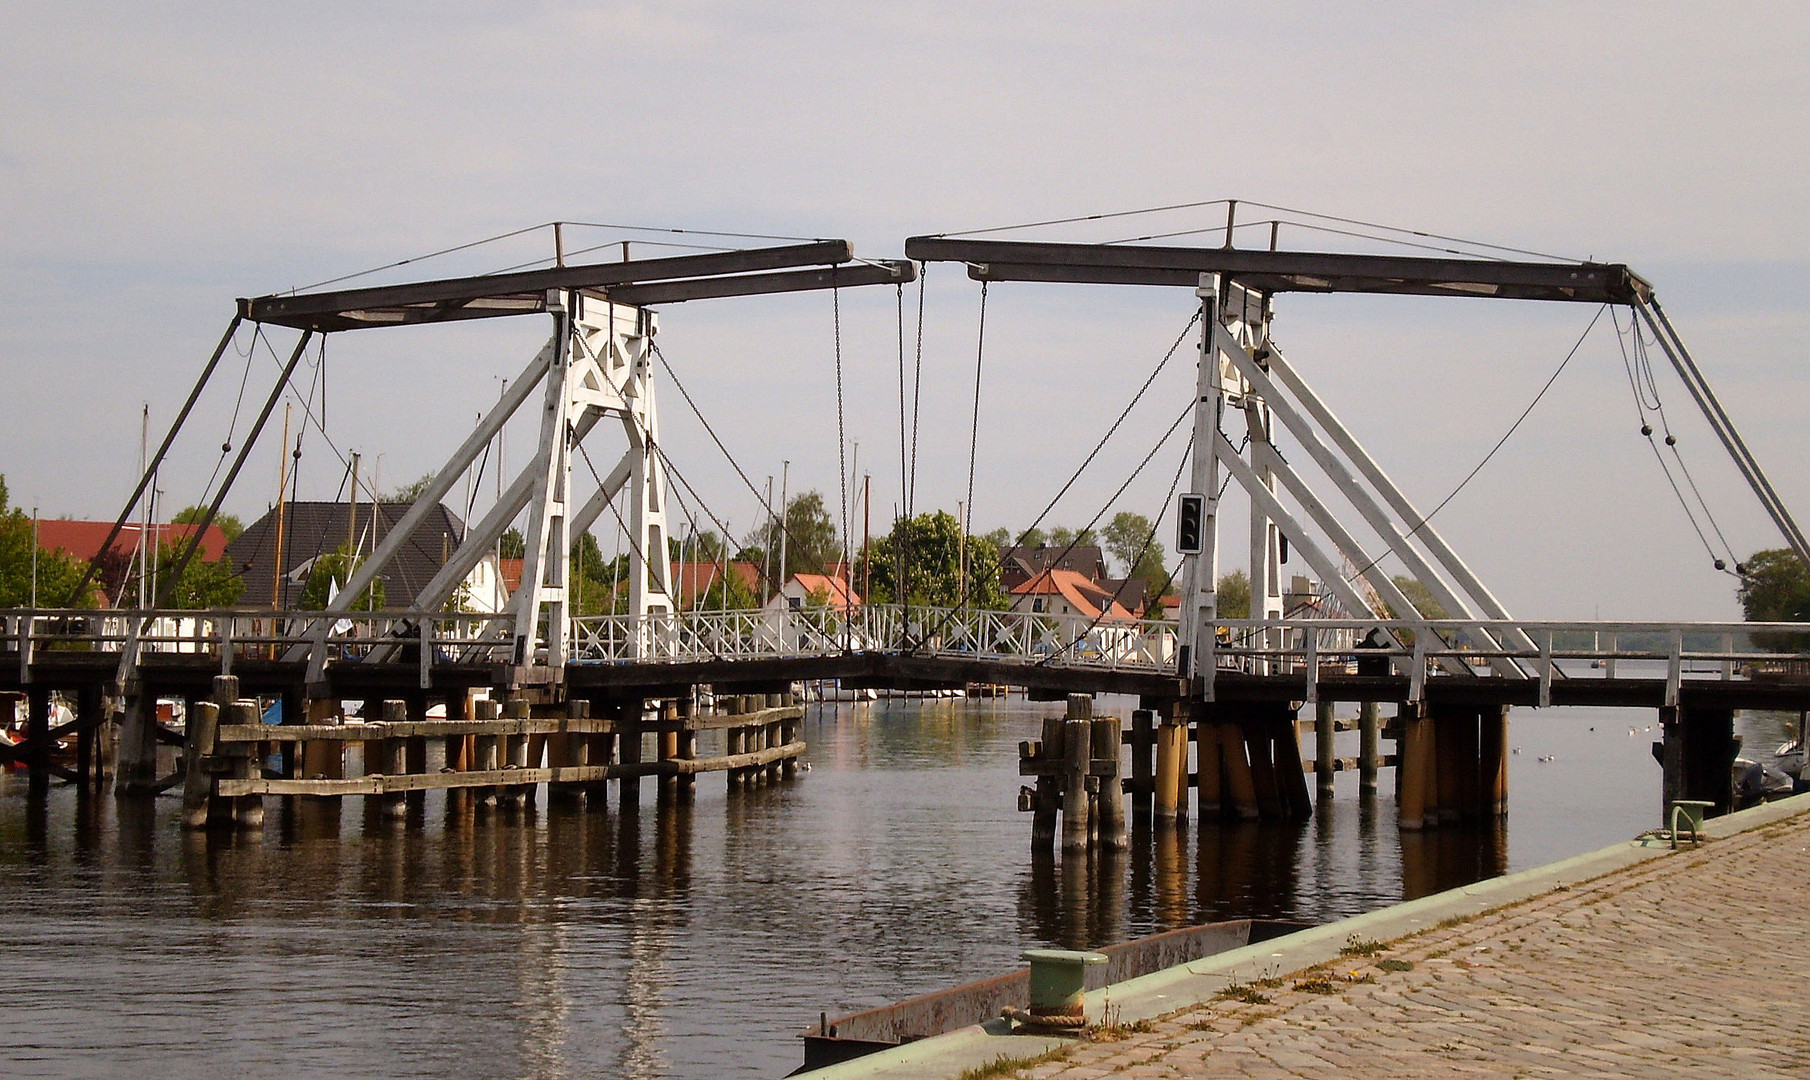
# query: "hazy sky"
157,161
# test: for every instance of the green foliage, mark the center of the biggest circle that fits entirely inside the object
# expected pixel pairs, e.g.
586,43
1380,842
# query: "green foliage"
57,572
1001,539
1033,537
1775,587
1126,536
1420,596
1234,595
411,492
204,585
512,545
330,573
1062,536
811,539
930,548
228,524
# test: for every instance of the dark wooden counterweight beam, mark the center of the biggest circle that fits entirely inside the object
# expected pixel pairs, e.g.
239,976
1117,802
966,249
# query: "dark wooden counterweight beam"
1284,271
637,281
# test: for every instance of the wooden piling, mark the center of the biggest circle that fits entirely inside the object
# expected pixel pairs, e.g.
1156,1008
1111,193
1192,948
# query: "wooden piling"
323,759
628,789
1170,798
1077,737
136,764
515,752
488,754
1493,760
1210,756
1448,758
788,734
1240,780
197,756
1260,741
392,760
1143,761
1411,771
1291,777
1049,788
1369,746
1469,756
1108,737
246,762
1325,754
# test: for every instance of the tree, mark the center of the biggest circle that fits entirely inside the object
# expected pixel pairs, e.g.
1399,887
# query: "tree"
811,539
930,547
229,525
1131,539
1420,596
512,545
410,493
329,574
57,572
1062,536
1234,596
204,585
1001,539
1775,587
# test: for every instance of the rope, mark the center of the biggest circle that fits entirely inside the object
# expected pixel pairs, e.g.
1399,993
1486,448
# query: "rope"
980,345
1639,371
917,395
841,455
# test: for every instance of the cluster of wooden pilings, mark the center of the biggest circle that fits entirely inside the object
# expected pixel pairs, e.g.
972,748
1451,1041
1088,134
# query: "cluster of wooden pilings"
1077,766
497,757
1451,765
1454,764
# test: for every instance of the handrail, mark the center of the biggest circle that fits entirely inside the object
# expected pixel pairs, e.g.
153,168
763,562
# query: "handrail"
1042,639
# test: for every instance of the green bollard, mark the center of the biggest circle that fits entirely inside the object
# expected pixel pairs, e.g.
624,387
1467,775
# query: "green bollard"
1058,978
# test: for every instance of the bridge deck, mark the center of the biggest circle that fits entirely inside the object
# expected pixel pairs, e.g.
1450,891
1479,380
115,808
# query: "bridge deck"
190,673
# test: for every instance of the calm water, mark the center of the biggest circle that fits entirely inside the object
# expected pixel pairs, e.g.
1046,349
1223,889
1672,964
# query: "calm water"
689,942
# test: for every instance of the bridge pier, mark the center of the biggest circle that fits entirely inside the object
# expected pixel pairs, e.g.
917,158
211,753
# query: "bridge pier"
1250,761
1079,772
1696,753
1452,764
136,772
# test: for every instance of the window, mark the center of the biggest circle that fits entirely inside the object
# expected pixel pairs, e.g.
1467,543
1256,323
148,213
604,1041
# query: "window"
1037,604
795,602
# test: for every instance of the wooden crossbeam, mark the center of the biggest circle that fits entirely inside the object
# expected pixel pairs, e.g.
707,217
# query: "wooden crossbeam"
391,783
1285,271
524,292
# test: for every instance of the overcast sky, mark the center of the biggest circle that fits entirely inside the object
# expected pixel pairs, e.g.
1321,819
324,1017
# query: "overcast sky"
157,161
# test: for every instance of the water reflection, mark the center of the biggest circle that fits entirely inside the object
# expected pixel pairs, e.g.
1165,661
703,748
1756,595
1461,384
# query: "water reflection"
676,938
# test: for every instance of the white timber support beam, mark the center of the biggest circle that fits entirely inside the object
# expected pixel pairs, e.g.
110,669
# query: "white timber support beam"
1360,499
1485,601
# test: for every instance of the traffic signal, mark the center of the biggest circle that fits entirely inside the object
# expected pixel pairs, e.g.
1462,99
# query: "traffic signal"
1190,519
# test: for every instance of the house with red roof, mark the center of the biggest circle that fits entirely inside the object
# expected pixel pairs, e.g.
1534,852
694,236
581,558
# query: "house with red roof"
82,540
808,590
1055,591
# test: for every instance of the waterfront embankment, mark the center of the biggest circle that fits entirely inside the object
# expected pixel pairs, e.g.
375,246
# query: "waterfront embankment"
1635,961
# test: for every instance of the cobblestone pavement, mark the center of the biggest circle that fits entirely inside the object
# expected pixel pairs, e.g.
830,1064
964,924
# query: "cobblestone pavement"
1692,965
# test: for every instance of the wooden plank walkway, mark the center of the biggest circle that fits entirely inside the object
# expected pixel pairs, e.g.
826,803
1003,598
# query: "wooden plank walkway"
1682,966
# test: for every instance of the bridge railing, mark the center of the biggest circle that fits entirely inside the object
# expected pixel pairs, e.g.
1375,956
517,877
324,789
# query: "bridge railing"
1316,647
1068,640
248,633
1674,651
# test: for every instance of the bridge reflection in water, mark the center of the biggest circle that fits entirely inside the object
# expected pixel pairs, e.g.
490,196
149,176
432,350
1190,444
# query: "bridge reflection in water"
675,940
